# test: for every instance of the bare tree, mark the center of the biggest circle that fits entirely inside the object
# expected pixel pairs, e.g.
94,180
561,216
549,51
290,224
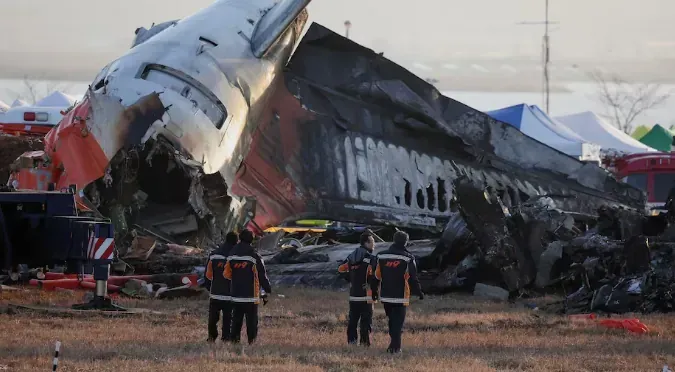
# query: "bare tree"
34,90
626,101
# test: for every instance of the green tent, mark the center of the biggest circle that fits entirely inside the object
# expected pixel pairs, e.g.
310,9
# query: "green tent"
640,132
658,138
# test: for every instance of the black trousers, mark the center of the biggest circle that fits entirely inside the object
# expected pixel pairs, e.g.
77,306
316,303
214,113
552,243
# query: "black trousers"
250,311
215,308
360,312
396,315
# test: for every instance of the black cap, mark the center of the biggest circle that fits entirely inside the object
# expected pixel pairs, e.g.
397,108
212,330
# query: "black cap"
232,238
401,237
246,236
363,239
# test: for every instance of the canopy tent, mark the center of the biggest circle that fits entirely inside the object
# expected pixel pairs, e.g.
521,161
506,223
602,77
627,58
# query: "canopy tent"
56,99
640,131
533,122
19,103
659,138
595,130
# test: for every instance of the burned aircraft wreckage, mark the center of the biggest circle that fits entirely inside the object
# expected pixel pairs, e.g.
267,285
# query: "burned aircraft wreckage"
206,125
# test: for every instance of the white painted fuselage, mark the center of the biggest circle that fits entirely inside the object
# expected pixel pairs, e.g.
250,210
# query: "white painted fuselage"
210,78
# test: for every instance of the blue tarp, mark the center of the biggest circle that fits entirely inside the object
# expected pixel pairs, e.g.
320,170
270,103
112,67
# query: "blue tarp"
534,122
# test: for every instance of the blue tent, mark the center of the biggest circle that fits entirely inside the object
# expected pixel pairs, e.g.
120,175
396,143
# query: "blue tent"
534,122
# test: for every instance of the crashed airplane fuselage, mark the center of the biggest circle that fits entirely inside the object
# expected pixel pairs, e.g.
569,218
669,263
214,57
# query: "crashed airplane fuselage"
200,114
185,98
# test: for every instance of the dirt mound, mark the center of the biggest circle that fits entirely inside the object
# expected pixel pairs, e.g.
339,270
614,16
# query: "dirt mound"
10,149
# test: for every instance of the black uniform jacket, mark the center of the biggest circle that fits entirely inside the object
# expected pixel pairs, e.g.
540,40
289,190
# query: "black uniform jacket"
246,269
395,273
220,286
357,269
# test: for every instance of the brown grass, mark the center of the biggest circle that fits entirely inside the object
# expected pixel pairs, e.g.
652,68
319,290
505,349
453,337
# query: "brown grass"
305,331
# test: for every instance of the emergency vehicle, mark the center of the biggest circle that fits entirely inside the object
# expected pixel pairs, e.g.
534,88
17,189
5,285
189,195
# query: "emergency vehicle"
30,120
654,173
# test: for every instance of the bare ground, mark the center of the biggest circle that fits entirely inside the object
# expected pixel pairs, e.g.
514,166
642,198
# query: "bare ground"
305,331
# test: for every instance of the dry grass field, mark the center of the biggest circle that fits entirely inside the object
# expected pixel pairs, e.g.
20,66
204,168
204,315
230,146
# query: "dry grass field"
305,331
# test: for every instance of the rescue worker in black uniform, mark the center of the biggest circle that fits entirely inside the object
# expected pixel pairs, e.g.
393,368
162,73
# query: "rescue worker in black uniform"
246,269
219,292
358,271
395,275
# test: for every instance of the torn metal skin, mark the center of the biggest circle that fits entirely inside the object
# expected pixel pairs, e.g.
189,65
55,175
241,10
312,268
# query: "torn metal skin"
194,89
352,136
341,134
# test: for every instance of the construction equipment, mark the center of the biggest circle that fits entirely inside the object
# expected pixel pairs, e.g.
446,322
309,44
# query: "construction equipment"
43,229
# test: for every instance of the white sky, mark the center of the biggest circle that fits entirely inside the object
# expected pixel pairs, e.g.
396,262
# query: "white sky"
430,29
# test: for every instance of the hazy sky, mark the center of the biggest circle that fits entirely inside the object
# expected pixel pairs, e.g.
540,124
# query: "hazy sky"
433,29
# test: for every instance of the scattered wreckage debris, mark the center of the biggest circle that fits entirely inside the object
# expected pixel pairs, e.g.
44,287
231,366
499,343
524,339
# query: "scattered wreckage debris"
11,148
335,100
160,286
319,266
535,247
150,256
401,155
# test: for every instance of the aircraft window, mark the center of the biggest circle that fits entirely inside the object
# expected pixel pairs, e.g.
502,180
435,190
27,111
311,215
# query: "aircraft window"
189,88
99,81
663,182
637,180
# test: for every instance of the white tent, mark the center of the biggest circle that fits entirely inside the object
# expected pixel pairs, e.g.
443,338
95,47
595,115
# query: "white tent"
19,103
56,99
3,107
593,129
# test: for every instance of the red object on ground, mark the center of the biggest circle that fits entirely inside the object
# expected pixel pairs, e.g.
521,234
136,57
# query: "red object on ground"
70,281
51,285
632,325
91,285
56,276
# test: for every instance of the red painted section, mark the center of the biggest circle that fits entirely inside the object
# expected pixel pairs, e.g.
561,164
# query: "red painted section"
34,174
276,195
77,158
75,149
51,285
117,280
21,129
69,146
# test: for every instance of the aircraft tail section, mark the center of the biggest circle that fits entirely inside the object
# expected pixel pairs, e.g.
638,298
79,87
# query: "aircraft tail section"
275,22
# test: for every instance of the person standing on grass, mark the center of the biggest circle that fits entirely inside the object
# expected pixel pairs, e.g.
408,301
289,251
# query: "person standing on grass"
357,270
246,270
395,272
219,292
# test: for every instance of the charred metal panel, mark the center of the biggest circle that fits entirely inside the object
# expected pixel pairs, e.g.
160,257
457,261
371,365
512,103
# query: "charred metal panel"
362,139
324,274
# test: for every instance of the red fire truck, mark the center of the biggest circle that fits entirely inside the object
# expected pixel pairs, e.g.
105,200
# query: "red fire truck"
652,172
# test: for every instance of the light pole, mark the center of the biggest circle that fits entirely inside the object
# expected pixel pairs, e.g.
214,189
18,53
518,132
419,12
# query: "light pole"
546,55
348,25
547,60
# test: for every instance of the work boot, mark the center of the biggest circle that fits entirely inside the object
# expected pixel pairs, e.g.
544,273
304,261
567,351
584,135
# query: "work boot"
391,350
